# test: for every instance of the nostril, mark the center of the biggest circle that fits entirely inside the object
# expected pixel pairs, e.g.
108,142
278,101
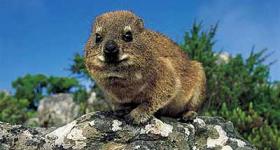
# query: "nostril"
111,52
111,47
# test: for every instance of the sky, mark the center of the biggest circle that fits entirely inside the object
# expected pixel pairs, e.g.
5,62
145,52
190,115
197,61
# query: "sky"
41,36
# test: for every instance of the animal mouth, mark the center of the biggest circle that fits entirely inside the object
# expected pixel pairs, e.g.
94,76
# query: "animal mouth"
121,59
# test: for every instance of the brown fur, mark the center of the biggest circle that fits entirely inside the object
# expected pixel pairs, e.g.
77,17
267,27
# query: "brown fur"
156,77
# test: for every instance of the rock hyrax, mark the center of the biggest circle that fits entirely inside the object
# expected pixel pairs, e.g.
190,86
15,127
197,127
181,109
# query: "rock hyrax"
138,67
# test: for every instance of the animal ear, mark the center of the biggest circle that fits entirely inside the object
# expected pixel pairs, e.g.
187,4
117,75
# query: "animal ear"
97,18
95,23
140,24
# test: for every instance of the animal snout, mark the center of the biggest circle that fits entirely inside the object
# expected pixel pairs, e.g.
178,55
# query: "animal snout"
111,51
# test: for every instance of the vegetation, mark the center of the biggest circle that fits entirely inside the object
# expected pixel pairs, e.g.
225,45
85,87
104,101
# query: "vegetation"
35,87
14,110
239,89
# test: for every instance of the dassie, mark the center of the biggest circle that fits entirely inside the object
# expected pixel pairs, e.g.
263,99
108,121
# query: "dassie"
142,69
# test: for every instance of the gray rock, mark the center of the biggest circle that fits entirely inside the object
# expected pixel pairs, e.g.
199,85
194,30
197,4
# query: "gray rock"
106,130
95,103
57,110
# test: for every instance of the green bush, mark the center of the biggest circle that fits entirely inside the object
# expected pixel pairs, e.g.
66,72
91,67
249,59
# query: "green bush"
61,84
78,67
30,87
238,89
14,110
34,87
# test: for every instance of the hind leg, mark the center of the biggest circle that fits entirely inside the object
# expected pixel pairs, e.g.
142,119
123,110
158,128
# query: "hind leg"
198,95
193,105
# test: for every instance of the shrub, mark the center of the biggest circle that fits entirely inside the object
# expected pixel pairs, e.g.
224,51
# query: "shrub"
34,87
238,89
14,110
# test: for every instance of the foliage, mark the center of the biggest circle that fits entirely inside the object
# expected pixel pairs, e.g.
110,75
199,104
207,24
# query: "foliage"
13,110
238,89
78,67
61,84
30,87
35,87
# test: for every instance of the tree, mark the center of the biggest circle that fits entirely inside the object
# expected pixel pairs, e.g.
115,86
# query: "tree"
61,84
30,87
13,110
238,89
78,67
35,87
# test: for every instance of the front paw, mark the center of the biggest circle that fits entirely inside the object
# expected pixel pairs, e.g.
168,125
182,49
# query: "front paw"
138,117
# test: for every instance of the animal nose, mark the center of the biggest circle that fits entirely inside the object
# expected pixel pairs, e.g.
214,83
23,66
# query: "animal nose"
111,47
111,51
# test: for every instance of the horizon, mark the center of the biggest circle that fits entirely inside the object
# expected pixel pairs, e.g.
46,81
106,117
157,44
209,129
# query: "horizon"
40,36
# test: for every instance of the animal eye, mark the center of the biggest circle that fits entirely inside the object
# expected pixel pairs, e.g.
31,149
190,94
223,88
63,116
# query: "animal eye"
127,36
98,38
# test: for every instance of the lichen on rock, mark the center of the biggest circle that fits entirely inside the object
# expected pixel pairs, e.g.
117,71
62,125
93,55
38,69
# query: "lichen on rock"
105,130
220,141
116,125
157,127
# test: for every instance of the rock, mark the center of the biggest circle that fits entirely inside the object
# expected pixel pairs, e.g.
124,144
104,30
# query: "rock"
108,131
57,110
95,103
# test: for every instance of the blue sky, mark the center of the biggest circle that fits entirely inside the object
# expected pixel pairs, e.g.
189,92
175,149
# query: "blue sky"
41,36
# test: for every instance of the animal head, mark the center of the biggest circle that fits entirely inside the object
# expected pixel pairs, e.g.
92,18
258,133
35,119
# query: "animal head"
116,41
